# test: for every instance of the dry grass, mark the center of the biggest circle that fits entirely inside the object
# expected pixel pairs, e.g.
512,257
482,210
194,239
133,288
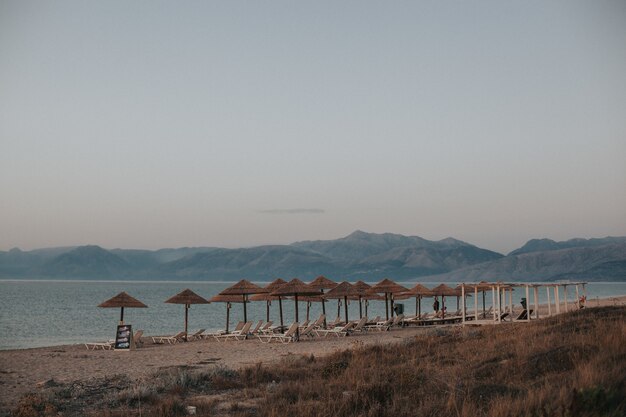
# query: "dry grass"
570,365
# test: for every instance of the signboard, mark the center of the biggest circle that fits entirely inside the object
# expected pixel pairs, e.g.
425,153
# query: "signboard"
124,337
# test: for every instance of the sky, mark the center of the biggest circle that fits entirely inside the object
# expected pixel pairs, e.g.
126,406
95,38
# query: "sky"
151,124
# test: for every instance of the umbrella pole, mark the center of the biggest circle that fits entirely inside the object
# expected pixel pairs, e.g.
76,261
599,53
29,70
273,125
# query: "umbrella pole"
296,298
338,307
308,308
324,310
416,314
122,316
267,306
443,306
245,312
483,302
280,307
345,306
457,302
386,307
227,316
392,311
360,308
186,320
419,308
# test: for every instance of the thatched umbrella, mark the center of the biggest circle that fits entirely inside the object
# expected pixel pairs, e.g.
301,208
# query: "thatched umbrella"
444,291
228,299
244,288
419,291
269,298
295,288
186,297
120,301
343,290
387,287
322,283
363,289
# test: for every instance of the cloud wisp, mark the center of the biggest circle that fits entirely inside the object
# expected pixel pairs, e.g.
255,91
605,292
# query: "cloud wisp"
293,211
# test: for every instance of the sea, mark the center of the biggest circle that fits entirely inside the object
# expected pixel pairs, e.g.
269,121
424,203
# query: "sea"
36,313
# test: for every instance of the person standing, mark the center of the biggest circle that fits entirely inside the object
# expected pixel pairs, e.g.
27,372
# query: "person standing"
436,305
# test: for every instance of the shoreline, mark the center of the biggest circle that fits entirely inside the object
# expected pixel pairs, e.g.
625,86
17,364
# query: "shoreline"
32,369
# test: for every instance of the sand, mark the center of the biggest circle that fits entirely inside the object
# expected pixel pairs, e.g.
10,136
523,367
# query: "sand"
26,370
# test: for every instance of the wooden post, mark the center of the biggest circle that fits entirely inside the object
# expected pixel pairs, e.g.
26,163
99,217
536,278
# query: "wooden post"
557,301
419,308
463,301
360,308
122,316
476,302
549,303
267,311
227,315
386,307
493,301
186,317
345,306
499,301
577,297
280,308
324,309
245,312
297,318
392,311
338,307
443,306
527,304
367,303
565,296
536,295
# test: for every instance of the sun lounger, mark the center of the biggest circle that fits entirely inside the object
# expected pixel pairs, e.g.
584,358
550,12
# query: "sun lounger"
309,330
257,328
398,321
381,326
196,335
108,345
266,327
335,323
179,337
287,337
235,335
360,326
137,338
335,331
524,315
374,321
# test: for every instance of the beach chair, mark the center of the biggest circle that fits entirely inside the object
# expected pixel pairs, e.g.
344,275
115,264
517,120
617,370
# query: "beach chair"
305,324
337,331
196,335
235,335
374,321
287,337
266,327
360,326
137,338
257,328
170,340
108,345
398,321
308,331
319,322
335,323
485,314
524,314
237,328
381,326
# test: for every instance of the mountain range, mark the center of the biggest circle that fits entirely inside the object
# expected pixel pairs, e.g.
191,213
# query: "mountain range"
360,255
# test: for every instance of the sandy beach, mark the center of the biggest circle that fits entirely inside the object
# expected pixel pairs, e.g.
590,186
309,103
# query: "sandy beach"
27,370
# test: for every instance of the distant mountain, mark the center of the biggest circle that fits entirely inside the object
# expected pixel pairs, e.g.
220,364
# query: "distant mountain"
592,263
359,255
538,245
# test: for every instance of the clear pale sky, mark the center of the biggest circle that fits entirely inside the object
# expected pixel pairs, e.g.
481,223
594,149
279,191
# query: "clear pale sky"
164,124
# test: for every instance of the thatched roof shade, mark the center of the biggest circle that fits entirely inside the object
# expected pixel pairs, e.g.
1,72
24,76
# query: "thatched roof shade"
187,297
419,289
264,297
312,298
370,297
275,284
361,286
387,286
243,287
295,286
322,283
226,299
444,290
122,300
345,289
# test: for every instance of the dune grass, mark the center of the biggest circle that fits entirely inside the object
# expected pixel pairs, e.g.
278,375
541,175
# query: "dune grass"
570,365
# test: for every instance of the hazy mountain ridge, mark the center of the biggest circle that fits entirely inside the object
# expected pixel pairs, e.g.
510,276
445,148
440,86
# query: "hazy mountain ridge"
592,263
359,255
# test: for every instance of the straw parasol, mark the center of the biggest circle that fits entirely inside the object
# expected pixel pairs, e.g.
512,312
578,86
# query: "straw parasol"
387,287
322,283
343,290
186,297
296,288
363,289
269,298
228,299
244,288
444,291
120,301
419,291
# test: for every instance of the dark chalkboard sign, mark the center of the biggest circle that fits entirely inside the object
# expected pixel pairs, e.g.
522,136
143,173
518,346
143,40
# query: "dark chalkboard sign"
124,337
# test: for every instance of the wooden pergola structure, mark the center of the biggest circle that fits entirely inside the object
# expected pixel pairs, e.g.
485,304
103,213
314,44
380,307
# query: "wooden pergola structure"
501,289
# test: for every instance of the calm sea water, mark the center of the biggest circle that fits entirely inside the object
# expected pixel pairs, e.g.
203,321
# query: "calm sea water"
48,313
